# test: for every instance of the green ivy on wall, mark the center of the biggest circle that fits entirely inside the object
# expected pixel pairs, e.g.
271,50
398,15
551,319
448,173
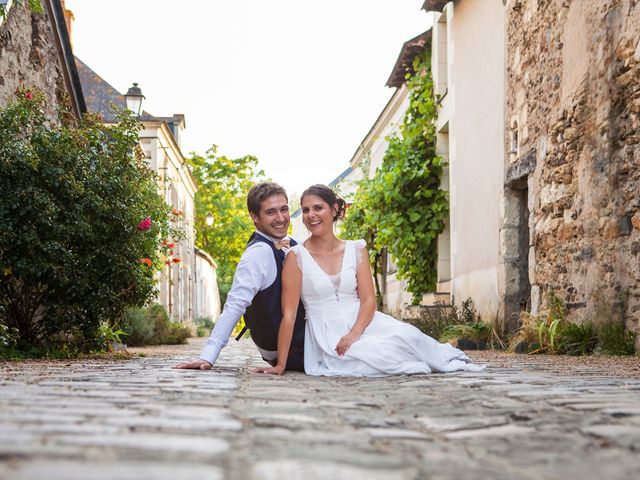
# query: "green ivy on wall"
34,5
402,207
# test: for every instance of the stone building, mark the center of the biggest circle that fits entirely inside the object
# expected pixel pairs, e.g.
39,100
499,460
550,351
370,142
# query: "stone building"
572,190
35,51
563,79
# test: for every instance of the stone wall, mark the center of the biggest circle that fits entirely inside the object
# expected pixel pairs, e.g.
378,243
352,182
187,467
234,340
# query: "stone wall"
28,56
573,117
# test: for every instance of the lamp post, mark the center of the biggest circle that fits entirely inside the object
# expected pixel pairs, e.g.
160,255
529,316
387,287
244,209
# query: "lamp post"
208,220
134,98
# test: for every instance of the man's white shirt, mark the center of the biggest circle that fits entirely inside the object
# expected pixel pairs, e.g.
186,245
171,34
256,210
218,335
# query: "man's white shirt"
256,271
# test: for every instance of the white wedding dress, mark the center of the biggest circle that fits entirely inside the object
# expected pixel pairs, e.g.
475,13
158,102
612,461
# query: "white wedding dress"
386,347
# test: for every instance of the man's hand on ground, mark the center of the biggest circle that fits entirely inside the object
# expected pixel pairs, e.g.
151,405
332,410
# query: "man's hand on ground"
196,365
277,370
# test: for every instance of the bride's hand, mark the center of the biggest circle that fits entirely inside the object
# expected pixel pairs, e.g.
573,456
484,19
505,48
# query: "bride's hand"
345,342
277,370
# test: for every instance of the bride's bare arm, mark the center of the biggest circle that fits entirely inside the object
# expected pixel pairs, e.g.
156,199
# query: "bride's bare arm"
368,305
291,285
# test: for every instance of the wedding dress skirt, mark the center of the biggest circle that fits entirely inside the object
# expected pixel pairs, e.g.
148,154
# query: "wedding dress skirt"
386,347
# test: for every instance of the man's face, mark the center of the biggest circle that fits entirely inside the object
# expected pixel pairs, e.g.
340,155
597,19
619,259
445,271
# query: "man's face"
274,217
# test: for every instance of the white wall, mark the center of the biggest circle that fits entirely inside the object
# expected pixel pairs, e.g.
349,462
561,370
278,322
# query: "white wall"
207,298
177,289
471,129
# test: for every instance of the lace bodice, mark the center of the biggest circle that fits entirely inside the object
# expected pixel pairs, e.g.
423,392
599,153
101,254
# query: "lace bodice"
320,289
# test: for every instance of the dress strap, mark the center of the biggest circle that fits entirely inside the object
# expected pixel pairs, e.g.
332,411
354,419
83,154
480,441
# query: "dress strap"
360,250
297,249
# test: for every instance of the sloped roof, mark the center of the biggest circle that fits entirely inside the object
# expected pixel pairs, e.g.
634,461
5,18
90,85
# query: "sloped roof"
65,50
434,5
336,180
404,63
99,95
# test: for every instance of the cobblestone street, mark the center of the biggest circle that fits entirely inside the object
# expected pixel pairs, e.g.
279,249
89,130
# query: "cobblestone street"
139,418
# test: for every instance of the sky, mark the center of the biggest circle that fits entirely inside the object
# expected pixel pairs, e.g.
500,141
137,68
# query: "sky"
296,83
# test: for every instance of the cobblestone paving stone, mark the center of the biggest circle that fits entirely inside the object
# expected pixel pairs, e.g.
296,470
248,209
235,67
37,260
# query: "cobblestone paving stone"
139,418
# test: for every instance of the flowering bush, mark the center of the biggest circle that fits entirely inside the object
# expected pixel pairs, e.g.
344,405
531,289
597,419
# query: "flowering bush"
81,224
145,224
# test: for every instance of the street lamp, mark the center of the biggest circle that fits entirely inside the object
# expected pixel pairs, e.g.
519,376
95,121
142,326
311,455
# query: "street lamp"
134,98
209,219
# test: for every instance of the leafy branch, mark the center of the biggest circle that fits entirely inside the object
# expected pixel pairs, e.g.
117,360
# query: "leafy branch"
402,207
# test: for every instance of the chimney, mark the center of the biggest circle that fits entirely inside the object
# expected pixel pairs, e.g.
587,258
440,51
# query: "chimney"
68,19
177,124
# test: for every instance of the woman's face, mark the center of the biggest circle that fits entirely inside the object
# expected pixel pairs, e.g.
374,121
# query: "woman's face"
317,215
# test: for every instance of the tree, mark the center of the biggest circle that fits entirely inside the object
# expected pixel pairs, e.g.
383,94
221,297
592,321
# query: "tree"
223,184
402,207
81,224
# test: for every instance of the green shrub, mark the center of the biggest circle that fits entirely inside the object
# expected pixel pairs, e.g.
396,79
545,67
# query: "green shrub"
202,331
178,334
551,333
433,320
152,326
615,339
8,340
577,339
204,325
138,326
206,322
72,198
477,332
108,338
159,317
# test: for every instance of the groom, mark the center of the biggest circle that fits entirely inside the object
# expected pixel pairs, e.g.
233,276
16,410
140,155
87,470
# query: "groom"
257,285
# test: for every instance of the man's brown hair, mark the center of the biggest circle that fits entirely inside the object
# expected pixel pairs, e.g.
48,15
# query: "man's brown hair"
262,191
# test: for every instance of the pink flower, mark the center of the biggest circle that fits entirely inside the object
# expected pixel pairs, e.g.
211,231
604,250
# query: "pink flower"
145,224
28,95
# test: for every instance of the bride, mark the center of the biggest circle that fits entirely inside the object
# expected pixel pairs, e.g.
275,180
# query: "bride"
345,335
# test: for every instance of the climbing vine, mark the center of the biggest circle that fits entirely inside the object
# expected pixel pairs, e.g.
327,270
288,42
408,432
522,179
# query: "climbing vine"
402,207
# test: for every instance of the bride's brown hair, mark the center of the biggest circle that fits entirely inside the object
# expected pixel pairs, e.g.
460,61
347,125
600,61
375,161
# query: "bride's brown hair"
329,196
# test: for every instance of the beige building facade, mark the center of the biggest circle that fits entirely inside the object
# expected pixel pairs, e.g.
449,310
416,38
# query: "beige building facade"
207,295
468,72
159,140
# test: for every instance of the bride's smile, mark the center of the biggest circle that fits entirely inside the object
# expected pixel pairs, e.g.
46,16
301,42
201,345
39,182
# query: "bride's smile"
317,214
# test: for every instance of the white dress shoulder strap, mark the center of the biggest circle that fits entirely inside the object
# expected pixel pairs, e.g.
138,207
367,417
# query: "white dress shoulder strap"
360,250
298,250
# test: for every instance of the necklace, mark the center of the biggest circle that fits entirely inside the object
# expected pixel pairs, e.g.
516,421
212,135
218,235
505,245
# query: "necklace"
326,257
